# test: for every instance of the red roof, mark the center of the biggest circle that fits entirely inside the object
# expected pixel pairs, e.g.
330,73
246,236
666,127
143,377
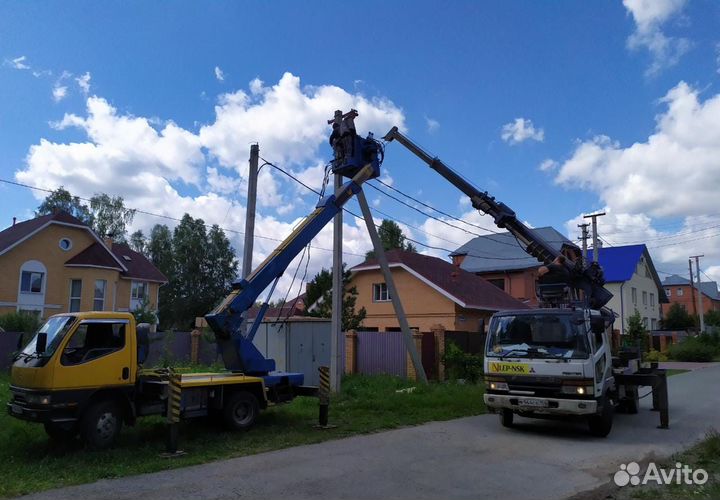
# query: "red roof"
94,255
138,266
463,287
21,230
97,254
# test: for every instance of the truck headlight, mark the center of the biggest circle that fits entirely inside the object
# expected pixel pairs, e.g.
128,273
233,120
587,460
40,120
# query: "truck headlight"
38,399
580,390
498,386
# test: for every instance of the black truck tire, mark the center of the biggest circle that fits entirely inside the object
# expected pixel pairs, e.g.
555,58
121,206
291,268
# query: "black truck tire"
101,425
241,410
600,425
65,431
506,417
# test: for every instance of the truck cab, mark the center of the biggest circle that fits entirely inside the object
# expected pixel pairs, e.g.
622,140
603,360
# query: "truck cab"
550,362
82,374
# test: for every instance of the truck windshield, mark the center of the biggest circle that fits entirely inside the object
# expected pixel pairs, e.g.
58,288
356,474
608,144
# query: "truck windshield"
536,336
56,329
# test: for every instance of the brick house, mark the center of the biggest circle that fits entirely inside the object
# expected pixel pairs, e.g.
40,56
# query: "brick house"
501,260
679,291
432,290
55,263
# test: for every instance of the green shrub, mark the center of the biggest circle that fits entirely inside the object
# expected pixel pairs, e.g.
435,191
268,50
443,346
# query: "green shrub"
19,322
461,365
693,349
143,314
655,356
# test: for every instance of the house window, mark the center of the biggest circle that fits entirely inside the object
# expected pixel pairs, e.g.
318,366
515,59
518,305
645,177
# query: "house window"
139,290
653,323
668,292
644,296
65,244
31,282
99,299
500,283
380,292
652,300
680,292
633,294
645,322
75,295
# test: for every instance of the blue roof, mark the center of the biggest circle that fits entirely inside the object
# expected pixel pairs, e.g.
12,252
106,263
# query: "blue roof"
619,263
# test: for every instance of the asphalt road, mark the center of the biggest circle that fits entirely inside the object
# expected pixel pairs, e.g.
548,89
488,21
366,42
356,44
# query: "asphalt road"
465,458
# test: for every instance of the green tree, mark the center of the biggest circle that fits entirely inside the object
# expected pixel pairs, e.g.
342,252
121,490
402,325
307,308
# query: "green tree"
221,265
62,200
319,295
138,242
712,318
110,217
391,237
636,335
189,284
677,318
160,253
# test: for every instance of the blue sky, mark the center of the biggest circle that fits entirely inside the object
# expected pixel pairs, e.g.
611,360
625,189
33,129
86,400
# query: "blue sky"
617,102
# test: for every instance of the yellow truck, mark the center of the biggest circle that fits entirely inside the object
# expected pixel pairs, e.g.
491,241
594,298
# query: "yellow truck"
82,374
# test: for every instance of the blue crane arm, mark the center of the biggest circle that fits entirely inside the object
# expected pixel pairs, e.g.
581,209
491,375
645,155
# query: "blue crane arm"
590,280
238,351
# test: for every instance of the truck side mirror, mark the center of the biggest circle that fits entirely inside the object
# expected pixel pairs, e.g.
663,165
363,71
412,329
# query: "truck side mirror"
597,325
41,343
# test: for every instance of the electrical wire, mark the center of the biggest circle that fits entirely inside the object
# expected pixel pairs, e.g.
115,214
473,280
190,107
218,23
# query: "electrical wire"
168,217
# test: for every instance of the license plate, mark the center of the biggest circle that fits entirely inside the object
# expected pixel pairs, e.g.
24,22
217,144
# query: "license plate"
535,403
16,409
510,368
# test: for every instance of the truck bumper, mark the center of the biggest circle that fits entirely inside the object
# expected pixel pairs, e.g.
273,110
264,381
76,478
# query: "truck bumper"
550,406
42,415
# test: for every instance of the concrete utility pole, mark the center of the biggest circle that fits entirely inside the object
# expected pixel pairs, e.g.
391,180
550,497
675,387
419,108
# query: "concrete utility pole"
584,238
250,218
392,291
337,297
699,290
596,247
692,287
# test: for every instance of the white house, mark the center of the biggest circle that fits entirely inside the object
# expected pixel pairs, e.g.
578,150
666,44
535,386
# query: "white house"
632,279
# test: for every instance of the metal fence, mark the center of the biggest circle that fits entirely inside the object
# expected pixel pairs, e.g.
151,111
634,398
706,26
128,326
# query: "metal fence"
381,352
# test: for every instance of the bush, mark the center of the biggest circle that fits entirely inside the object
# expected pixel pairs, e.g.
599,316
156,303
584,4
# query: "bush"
655,356
699,349
461,365
19,322
143,314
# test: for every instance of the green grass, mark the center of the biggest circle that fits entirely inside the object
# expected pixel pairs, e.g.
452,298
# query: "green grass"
674,371
705,455
30,462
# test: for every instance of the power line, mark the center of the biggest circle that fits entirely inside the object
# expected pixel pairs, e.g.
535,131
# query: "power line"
399,221
168,217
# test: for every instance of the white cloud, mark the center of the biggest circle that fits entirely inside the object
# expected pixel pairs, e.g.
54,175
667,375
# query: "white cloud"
431,124
451,238
83,82
649,17
18,63
674,173
219,74
713,272
548,165
147,161
59,92
521,130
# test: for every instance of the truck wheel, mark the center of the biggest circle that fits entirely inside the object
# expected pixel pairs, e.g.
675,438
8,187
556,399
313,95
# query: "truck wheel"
101,425
600,425
60,431
241,410
506,418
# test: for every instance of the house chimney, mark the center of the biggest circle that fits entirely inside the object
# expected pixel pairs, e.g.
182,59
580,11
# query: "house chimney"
14,220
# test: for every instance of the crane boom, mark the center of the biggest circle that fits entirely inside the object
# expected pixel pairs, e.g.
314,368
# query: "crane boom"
588,279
